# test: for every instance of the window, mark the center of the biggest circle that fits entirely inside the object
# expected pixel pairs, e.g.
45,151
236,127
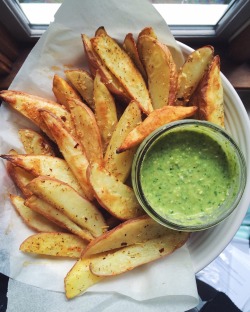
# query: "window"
39,12
186,18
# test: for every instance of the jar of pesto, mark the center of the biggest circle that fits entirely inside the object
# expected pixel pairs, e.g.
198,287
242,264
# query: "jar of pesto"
189,175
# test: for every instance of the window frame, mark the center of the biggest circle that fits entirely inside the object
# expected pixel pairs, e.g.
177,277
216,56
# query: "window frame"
236,18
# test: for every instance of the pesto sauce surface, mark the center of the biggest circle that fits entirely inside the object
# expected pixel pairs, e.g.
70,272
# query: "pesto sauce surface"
185,173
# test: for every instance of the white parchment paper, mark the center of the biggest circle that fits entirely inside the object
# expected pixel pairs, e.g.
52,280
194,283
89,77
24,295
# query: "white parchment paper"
171,280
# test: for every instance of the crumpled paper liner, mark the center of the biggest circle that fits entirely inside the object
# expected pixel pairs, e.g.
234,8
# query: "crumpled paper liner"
58,49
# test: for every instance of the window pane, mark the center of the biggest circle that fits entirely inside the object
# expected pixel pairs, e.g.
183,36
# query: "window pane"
191,12
39,12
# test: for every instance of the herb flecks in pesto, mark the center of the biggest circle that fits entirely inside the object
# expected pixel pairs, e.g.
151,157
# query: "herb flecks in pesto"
185,173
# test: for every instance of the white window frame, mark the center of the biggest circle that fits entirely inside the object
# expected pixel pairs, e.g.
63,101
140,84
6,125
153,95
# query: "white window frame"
236,18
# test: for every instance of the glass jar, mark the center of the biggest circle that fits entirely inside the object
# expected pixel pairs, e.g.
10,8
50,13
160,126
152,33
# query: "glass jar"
189,175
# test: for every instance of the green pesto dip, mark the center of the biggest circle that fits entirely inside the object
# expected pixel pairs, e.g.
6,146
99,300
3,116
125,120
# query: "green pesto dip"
185,173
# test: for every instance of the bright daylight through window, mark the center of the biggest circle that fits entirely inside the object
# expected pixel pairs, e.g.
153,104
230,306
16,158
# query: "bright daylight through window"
176,12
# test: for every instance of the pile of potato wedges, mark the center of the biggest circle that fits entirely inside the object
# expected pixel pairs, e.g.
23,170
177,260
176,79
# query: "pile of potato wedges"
74,176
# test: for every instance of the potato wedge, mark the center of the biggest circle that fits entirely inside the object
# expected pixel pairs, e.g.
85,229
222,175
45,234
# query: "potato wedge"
122,67
72,151
105,110
119,165
43,165
194,68
19,176
156,119
83,83
209,95
54,244
100,30
148,31
29,105
79,279
51,213
161,71
130,47
108,78
87,131
128,258
31,218
116,197
133,231
64,198
63,91
34,143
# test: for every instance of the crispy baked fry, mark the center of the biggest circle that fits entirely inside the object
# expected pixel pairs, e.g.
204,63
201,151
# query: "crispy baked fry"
54,244
148,31
79,279
156,119
56,216
194,68
35,143
19,176
122,67
63,91
130,47
107,77
100,30
32,219
64,198
161,71
133,231
43,165
209,95
87,130
105,110
128,258
83,83
116,197
71,150
119,165
29,105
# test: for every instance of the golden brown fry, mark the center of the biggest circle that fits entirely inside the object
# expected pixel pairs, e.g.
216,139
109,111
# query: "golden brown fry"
107,77
19,176
31,218
29,106
56,216
119,165
83,83
105,110
130,47
156,119
209,95
120,64
194,68
100,30
43,165
79,279
54,244
161,71
87,130
34,143
148,31
117,198
64,198
128,258
133,231
63,91
71,150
